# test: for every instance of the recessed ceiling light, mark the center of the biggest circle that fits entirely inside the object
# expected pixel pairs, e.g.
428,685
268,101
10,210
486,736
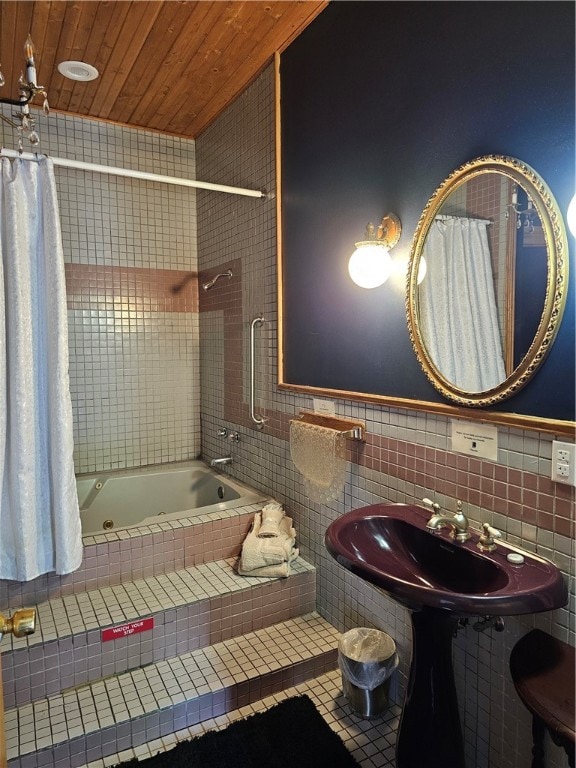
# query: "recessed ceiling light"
78,70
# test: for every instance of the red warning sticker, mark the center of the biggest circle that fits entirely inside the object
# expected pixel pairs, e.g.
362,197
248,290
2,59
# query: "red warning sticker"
124,630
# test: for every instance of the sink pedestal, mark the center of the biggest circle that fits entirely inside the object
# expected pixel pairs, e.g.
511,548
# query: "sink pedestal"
430,734
438,580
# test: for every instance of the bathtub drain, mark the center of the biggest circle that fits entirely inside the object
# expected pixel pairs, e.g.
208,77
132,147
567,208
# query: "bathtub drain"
108,524
220,491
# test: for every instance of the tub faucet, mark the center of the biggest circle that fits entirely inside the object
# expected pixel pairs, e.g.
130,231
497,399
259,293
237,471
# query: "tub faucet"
221,462
458,523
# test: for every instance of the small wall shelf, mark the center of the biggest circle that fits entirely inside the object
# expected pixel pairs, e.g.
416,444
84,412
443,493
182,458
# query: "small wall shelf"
353,429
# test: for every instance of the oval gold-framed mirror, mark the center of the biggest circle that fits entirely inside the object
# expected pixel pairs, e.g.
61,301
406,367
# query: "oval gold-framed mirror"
487,280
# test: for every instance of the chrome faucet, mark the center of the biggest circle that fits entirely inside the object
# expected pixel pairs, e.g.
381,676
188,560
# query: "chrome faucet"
221,462
458,522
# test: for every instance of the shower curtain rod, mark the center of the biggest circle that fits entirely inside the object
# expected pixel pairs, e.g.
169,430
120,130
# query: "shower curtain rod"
111,170
448,216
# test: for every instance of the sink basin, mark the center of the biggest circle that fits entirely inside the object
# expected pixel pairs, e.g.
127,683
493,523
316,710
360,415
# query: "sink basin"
389,546
439,581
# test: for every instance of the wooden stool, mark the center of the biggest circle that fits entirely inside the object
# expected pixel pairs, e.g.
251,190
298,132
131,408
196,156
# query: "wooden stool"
542,669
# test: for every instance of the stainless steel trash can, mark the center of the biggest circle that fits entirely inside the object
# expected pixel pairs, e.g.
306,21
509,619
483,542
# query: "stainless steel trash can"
367,658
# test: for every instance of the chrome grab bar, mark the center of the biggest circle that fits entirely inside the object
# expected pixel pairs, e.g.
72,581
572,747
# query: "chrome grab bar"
258,420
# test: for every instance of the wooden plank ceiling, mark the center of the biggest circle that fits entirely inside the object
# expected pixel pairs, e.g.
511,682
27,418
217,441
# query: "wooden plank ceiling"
170,66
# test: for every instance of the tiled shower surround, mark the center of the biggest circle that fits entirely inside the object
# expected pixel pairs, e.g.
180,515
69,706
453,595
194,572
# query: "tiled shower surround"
131,279
406,456
147,366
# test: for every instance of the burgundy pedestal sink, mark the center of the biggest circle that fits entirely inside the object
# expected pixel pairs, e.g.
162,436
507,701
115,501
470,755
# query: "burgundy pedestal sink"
439,581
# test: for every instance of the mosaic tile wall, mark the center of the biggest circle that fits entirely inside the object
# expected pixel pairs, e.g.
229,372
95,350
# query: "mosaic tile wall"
131,270
407,454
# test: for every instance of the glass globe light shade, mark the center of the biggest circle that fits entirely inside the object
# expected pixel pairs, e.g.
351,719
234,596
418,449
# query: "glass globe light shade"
571,216
421,269
370,265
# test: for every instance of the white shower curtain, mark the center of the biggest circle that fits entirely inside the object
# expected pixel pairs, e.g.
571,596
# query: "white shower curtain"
457,305
40,527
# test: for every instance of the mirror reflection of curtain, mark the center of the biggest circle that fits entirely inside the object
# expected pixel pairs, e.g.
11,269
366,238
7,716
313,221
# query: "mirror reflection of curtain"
457,306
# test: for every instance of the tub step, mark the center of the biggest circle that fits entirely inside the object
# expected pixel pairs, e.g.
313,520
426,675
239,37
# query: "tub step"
127,710
190,608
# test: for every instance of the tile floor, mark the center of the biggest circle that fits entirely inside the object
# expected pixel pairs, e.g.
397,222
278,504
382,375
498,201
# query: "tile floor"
372,742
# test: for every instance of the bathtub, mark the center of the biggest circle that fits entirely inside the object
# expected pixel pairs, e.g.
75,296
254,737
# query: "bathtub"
156,494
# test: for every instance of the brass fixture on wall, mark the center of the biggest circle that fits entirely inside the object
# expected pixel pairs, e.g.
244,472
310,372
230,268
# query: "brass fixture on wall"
29,89
525,217
20,624
370,265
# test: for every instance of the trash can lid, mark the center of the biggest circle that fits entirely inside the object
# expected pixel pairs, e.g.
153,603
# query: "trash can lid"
366,645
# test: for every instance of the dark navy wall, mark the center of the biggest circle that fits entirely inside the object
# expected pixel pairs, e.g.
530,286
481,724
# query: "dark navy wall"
380,102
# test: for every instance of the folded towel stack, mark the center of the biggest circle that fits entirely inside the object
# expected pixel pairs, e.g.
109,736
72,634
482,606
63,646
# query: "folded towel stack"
269,547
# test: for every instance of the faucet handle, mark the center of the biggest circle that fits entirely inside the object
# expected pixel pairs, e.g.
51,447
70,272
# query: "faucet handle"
489,531
429,503
486,541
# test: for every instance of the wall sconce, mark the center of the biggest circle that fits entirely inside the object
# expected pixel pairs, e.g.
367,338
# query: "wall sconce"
526,217
23,121
370,264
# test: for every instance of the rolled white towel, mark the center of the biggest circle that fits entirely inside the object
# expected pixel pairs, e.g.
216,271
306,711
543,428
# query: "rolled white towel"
255,527
273,506
272,515
286,529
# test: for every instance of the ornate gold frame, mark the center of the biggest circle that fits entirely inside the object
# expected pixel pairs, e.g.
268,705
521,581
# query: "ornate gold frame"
556,287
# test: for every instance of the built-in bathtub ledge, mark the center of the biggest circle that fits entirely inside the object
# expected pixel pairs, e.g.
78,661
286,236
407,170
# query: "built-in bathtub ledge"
123,534
136,553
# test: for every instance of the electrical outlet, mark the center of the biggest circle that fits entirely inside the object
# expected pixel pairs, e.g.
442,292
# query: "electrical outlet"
564,462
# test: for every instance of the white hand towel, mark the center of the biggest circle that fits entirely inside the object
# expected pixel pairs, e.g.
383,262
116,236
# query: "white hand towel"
260,552
285,528
272,515
281,570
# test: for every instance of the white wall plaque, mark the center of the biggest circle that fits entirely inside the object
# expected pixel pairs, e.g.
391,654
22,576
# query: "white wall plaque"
325,407
479,440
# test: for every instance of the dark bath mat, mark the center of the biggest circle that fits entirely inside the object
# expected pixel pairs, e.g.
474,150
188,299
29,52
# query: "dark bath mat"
292,733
